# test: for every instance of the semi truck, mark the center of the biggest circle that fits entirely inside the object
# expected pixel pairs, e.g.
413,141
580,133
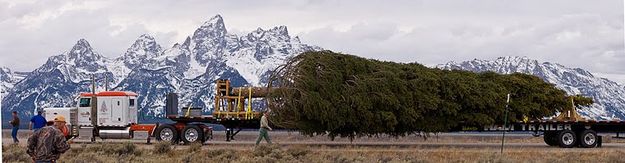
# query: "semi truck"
113,115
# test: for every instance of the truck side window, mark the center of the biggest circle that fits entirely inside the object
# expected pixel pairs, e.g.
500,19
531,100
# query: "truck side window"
131,103
85,102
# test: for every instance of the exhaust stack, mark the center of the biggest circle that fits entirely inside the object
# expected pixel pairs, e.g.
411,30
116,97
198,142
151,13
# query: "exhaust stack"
171,106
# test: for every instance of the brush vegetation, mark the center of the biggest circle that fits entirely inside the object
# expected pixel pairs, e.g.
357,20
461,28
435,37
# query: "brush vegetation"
296,154
349,96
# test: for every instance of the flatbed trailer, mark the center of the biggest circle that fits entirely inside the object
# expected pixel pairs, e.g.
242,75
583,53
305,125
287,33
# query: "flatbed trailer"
232,109
233,127
566,130
561,133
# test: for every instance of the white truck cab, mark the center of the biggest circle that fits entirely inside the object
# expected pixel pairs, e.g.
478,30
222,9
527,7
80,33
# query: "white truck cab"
114,108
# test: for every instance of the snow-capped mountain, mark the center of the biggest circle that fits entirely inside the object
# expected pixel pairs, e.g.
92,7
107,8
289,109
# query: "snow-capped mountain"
609,96
57,82
189,68
8,79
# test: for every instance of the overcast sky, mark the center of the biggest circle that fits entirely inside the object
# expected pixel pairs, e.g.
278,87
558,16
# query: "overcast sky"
575,33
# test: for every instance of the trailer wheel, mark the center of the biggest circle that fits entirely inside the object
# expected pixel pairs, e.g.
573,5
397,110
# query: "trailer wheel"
567,139
588,139
167,132
550,138
192,134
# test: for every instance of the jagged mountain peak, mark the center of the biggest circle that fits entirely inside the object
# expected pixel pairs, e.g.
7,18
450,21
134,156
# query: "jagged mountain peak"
5,74
216,23
513,58
275,34
513,63
186,43
83,56
6,80
609,96
208,41
146,36
215,20
507,60
82,48
281,30
144,39
296,40
146,44
4,69
83,42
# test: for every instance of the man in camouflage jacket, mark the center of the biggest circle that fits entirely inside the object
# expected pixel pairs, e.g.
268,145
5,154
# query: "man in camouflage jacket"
48,143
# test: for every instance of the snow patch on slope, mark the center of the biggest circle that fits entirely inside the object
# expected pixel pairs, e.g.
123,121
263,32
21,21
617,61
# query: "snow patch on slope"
609,96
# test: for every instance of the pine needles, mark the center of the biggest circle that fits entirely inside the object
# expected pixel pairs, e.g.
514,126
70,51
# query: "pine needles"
348,96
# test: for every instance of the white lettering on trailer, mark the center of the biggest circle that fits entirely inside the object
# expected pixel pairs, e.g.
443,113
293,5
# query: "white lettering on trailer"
567,127
529,127
532,127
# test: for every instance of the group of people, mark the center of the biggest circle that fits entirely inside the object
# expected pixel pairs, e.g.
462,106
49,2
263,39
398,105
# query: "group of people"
48,140
36,122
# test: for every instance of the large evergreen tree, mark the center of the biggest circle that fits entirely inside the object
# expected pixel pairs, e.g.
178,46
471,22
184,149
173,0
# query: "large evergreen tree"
343,95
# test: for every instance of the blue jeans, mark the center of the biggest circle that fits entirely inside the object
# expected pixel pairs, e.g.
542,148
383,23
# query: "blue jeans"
14,134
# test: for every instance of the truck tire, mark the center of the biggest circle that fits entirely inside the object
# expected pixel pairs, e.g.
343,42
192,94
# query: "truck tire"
550,138
567,139
588,139
192,134
166,132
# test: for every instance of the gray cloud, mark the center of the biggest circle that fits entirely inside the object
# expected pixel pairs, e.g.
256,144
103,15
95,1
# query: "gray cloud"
576,33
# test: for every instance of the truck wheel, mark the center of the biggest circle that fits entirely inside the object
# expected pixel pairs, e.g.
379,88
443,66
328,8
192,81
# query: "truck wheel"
167,132
550,138
567,139
192,134
588,139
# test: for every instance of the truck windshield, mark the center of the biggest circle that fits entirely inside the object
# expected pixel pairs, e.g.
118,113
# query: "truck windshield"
85,102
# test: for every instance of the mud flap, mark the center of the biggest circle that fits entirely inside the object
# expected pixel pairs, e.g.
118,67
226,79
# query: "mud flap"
600,141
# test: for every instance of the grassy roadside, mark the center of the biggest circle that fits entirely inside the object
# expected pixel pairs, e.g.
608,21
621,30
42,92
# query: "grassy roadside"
161,152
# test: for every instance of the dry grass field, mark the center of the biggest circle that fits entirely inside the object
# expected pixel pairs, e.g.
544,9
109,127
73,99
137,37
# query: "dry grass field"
165,153
293,147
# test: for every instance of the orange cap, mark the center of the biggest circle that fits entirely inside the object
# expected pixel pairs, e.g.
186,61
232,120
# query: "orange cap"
59,118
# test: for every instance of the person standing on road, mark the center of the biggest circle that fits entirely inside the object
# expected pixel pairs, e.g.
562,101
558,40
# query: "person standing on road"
264,126
48,143
37,122
16,126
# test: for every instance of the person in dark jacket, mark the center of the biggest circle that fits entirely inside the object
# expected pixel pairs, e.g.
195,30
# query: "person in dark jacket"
37,122
16,126
48,143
